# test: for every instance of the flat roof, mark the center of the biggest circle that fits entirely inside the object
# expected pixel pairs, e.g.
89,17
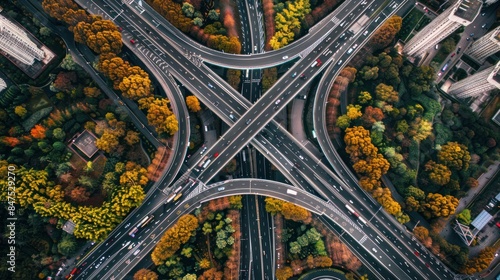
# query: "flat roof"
496,36
496,119
468,9
496,73
85,142
481,220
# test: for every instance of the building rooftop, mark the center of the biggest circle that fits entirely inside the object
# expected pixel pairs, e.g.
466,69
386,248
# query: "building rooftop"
468,9
497,35
3,84
494,77
85,142
481,220
496,117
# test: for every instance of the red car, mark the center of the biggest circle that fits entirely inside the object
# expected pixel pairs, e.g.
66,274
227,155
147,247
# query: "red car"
132,41
453,55
216,155
498,224
319,62
120,28
417,254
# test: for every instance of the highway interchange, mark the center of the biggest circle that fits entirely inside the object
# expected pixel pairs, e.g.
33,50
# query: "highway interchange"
383,244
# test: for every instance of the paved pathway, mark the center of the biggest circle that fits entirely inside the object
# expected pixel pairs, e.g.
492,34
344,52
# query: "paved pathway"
448,232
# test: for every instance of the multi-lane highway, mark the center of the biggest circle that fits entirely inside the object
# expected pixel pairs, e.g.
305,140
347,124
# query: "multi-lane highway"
299,165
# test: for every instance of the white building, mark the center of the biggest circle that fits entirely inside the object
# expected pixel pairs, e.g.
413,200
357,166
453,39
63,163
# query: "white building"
489,2
485,46
3,85
460,14
478,84
15,42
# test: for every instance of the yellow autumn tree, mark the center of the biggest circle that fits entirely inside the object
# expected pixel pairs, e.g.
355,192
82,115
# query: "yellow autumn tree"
454,155
193,104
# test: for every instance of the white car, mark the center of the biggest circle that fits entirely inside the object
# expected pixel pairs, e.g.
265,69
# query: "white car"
137,252
126,244
285,57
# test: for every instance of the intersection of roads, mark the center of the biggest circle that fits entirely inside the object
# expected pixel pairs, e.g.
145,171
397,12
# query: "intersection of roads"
382,244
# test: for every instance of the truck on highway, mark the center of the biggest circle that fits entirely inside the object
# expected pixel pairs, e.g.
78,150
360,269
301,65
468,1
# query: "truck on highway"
143,223
178,189
177,196
202,161
289,191
170,197
207,163
352,210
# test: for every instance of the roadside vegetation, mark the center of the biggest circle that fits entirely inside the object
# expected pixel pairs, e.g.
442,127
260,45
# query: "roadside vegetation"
57,185
205,245
396,124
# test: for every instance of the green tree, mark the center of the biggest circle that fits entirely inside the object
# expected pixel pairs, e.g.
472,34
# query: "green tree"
187,252
87,182
213,15
45,31
364,97
68,63
295,247
59,146
67,246
464,217
58,133
198,21
187,9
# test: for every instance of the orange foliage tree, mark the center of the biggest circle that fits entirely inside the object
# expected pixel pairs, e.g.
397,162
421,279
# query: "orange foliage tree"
38,131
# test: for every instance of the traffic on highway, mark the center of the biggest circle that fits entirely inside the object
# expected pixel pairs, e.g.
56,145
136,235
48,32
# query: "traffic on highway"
375,237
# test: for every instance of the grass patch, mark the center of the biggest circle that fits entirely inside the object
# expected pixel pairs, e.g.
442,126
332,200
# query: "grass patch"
38,102
409,23
491,108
